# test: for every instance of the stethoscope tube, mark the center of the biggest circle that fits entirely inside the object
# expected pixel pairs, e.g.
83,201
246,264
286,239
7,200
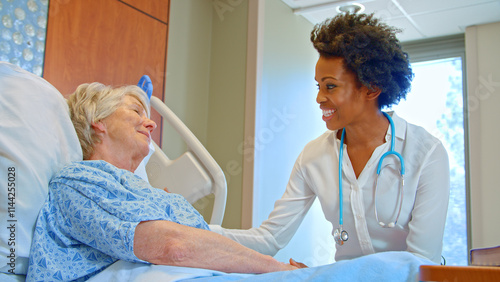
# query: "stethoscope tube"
402,173
340,235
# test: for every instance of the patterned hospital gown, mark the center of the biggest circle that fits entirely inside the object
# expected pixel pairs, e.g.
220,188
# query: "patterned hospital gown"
88,221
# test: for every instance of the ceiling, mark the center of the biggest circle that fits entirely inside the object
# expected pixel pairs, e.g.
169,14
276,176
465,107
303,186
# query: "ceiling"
419,19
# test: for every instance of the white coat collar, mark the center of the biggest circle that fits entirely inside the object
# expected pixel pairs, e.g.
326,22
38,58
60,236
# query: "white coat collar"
399,126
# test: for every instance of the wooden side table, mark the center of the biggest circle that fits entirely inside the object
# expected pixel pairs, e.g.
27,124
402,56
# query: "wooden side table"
459,273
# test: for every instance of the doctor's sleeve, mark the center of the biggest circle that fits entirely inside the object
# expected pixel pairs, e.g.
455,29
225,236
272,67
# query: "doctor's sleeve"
286,217
426,227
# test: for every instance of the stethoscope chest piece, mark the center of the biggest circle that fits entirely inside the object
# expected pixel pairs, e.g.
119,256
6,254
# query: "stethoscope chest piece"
340,236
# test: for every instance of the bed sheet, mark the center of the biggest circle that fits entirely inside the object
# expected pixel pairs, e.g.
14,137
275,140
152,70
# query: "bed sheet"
386,266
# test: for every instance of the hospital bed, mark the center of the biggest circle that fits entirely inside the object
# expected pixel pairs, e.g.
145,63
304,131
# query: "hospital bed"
37,139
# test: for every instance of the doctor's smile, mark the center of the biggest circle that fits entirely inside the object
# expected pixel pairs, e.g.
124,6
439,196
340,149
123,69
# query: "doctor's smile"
328,114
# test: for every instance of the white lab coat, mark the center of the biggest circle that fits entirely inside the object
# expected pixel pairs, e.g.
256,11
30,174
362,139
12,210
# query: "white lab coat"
420,226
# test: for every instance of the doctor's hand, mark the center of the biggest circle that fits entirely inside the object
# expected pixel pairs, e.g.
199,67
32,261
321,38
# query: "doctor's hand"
297,264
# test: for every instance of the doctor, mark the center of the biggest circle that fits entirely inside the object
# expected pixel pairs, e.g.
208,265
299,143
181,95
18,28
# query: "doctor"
383,183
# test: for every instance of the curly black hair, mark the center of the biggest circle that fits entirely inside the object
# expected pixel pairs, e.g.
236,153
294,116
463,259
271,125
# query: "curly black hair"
370,49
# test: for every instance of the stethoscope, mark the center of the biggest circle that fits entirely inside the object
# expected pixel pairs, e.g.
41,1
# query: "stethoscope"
340,235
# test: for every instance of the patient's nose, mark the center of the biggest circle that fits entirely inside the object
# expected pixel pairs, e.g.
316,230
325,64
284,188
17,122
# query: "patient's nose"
150,124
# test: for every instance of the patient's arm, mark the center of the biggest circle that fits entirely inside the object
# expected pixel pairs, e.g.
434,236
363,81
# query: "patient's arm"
169,243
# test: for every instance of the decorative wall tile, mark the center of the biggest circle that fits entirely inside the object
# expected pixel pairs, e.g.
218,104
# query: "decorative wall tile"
22,33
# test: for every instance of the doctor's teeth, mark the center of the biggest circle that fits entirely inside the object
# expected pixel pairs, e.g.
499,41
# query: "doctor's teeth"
327,113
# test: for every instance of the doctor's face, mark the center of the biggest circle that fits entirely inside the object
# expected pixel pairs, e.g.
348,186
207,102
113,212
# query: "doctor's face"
129,129
339,93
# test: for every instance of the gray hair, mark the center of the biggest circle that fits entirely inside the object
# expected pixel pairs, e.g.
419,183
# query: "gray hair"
93,102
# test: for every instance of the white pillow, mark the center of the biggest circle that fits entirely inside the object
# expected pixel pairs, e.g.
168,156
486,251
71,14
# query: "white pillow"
37,139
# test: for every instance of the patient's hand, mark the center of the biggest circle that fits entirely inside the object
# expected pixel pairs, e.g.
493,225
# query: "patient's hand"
297,264
286,266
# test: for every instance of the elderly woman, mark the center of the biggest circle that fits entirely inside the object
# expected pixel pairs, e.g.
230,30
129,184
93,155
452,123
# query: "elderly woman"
98,211
362,69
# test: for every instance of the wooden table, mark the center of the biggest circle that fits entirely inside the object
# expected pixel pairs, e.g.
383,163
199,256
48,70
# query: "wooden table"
459,273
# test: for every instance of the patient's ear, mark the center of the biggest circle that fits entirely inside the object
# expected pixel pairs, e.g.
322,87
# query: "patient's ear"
99,127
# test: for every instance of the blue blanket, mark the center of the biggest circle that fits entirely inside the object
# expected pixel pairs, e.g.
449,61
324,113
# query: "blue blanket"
386,267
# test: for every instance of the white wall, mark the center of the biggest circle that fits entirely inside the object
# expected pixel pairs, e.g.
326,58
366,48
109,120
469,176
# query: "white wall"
205,86
284,124
227,98
483,78
188,70
188,76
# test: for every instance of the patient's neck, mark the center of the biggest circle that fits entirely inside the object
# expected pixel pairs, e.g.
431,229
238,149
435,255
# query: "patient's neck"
121,160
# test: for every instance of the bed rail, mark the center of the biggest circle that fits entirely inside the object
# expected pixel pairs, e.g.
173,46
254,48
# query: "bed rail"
204,177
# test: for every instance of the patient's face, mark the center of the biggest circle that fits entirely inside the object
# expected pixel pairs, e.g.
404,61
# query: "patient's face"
129,129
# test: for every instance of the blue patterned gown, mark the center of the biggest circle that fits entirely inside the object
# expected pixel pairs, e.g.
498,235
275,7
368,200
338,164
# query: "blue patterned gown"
88,221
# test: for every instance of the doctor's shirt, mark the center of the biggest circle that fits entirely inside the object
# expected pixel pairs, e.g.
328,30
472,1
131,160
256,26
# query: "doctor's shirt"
420,226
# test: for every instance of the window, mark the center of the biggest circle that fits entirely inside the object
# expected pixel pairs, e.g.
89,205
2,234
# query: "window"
436,103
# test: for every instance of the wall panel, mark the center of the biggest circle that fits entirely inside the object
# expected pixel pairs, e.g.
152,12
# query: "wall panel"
107,41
